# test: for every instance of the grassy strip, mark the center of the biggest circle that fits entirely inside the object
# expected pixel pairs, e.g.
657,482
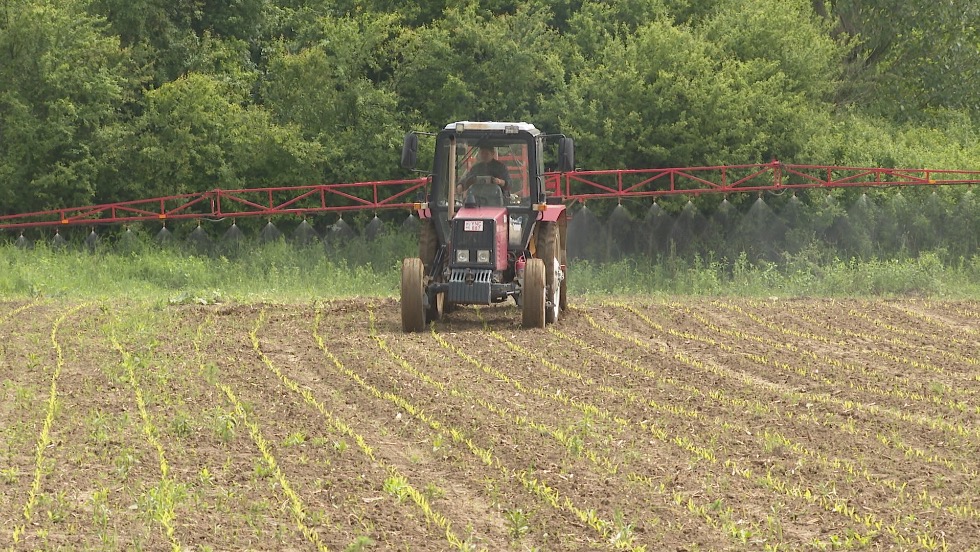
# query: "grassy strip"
361,267
272,271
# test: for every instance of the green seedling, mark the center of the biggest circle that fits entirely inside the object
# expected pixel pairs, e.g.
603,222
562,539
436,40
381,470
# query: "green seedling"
518,522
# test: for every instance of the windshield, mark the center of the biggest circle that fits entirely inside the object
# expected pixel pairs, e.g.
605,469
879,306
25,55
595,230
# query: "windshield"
481,163
506,163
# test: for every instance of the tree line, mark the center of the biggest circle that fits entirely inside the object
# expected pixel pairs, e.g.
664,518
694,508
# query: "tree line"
111,100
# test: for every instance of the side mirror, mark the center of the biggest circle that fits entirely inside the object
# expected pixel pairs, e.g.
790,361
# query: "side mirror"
410,151
566,154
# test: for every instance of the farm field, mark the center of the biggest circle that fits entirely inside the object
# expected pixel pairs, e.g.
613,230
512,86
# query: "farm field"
632,424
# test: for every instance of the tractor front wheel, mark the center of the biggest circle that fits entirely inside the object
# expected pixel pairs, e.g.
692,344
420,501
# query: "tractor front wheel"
532,295
551,251
413,306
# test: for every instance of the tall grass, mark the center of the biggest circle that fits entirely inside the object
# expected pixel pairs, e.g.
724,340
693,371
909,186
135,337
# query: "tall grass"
925,275
276,271
282,272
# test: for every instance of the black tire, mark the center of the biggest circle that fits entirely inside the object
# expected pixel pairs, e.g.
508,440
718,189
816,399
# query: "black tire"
563,248
532,295
428,243
437,307
413,310
549,251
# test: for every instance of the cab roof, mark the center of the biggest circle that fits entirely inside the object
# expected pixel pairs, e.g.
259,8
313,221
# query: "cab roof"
461,126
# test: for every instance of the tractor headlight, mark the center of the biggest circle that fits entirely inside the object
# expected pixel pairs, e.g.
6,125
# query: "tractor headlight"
463,256
483,256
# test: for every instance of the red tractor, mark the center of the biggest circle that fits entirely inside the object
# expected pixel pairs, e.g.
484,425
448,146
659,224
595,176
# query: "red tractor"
489,231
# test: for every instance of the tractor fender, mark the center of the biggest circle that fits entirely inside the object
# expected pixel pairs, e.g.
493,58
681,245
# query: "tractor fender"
551,213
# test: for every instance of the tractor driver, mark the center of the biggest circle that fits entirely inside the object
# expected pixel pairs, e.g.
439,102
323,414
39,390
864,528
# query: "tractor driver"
487,165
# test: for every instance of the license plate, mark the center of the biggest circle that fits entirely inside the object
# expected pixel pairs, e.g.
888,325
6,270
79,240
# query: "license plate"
473,226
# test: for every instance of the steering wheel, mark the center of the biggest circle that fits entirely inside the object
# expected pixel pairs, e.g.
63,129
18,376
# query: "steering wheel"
485,192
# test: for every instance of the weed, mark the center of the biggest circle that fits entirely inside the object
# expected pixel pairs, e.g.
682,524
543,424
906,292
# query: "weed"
360,543
294,439
180,426
100,508
623,533
492,490
10,475
158,501
59,507
224,426
98,427
210,372
262,470
23,397
397,486
518,522
773,443
124,462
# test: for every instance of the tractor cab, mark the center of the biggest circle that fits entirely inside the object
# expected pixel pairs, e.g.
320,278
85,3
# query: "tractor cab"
485,218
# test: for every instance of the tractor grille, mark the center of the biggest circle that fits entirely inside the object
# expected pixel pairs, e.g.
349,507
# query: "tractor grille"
470,286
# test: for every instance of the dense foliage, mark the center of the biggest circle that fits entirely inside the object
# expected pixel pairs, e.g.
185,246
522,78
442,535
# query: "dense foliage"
105,100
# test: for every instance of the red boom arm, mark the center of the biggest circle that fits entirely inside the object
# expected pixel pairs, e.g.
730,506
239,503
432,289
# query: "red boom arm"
572,186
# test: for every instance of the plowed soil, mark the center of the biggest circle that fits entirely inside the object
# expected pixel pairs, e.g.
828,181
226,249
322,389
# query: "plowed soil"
631,424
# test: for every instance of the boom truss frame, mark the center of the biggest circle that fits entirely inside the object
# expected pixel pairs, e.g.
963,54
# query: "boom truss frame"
578,186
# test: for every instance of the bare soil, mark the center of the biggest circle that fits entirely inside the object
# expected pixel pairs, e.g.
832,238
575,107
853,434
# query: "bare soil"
634,423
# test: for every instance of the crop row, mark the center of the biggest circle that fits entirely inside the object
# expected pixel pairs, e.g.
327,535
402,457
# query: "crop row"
628,426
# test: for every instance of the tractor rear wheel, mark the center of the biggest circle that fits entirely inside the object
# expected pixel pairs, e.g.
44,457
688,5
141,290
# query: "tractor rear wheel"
549,249
563,249
413,307
532,295
428,243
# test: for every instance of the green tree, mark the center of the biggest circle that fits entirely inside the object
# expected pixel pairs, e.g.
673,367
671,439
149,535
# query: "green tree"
320,82
909,57
472,66
157,34
167,37
199,133
666,96
784,31
61,82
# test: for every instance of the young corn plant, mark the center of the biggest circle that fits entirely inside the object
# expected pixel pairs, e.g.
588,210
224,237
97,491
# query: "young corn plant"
45,436
295,503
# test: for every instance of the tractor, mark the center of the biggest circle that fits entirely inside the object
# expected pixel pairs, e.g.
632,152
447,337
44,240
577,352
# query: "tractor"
489,231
